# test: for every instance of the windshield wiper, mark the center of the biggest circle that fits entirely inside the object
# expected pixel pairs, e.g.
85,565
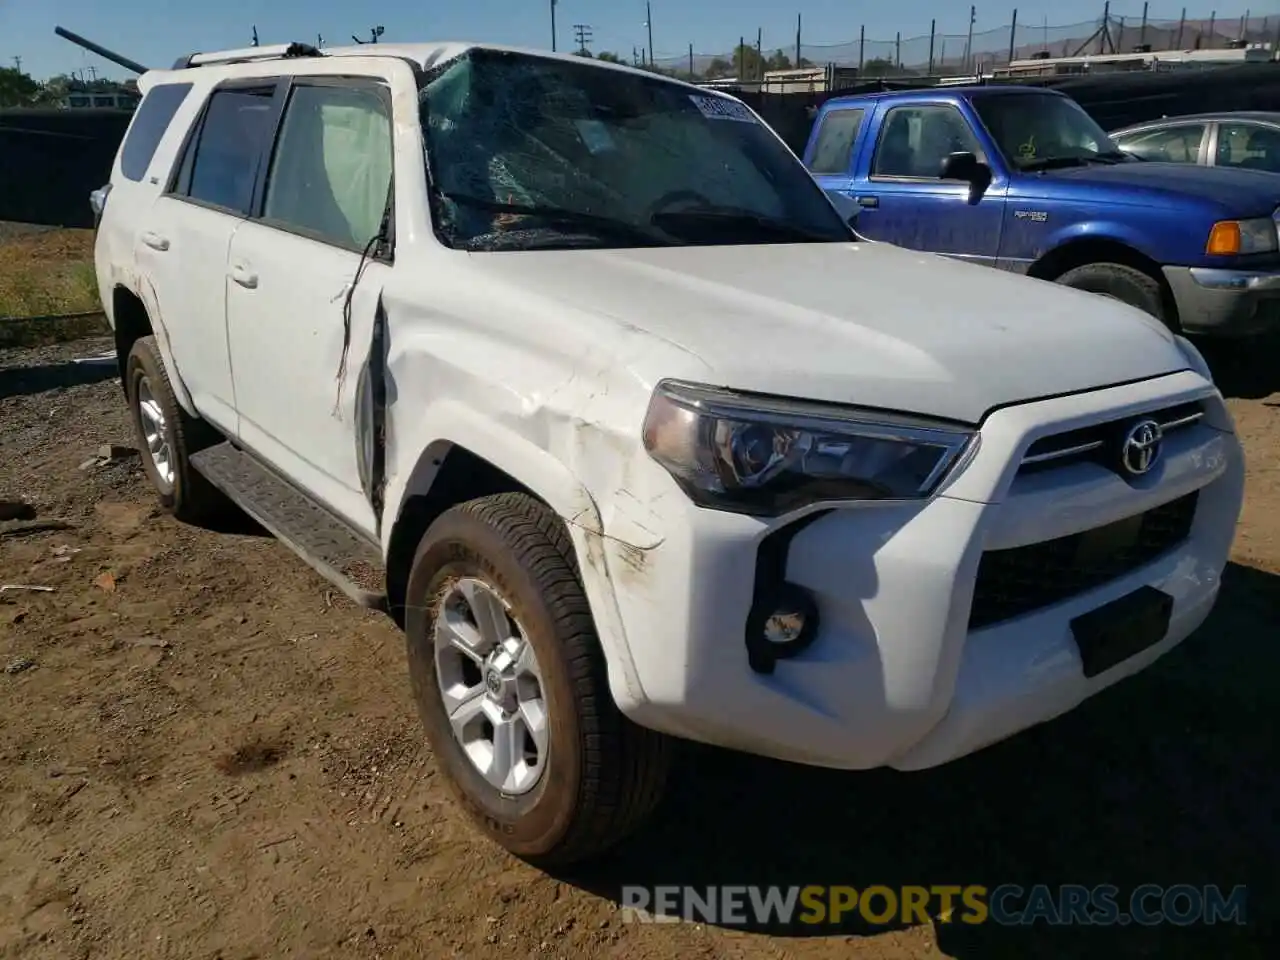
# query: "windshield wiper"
1056,163
559,216
739,218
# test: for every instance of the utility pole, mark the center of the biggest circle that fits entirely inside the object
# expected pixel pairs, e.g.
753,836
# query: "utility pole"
553,26
933,33
1182,23
93,74
691,74
862,46
648,22
760,53
255,36
897,50
1013,34
968,45
798,57
582,33
17,64
1142,35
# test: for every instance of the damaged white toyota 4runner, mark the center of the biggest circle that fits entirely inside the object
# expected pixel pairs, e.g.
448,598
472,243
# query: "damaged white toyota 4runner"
576,372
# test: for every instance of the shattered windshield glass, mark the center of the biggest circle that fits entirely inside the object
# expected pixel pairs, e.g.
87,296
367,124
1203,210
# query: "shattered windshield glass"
529,152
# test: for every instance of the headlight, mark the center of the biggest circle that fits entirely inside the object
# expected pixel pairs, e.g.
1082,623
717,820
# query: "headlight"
1229,238
766,456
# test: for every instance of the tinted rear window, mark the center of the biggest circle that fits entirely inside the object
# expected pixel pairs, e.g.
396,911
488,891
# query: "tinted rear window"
835,141
149,124
236,127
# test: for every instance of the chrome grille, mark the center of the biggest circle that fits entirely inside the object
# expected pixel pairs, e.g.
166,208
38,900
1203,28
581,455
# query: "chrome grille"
1090,444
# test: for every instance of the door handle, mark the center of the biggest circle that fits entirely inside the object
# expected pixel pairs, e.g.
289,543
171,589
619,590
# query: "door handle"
155,241
242,275
868,201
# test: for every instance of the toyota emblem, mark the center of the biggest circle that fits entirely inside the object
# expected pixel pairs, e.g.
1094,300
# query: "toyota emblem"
1141,448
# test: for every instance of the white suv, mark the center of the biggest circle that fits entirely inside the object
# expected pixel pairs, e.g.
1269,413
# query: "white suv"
576,372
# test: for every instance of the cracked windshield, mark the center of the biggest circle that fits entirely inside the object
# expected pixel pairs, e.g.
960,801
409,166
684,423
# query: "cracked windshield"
1036,132
527,152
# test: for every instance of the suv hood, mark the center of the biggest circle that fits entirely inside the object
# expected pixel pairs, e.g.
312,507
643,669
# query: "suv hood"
1247,193
866,323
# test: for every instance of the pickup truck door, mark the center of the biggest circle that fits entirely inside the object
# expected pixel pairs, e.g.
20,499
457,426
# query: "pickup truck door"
903,200
304,278
833,148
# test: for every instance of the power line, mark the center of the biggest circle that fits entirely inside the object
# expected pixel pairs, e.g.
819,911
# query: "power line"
582,33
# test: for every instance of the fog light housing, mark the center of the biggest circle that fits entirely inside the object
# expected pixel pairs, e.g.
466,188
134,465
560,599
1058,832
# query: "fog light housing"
781,625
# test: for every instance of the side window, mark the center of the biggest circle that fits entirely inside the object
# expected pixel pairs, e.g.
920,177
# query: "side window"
834,144
221,165
1172,145
150,121
332,166
1249,145
916,139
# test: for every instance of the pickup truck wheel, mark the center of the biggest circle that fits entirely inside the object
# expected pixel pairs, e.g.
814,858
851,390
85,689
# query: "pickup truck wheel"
167,436
1119,282
511,686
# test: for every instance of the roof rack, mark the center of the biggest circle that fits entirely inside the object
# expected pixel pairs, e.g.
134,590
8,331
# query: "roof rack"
276,51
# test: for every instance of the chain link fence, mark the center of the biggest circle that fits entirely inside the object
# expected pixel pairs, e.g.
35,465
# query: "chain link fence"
955,54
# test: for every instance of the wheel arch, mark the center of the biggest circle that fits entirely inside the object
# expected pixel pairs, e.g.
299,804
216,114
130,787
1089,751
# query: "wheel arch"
134,316
476,458
1082,251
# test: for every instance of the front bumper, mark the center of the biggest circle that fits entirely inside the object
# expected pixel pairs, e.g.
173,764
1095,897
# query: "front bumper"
1225,303
896,676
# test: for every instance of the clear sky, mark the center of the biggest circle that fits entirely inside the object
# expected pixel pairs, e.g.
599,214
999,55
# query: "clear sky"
155,32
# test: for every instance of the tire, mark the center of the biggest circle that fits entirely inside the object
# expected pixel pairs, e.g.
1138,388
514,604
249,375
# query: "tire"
600,776
1126,284
182,490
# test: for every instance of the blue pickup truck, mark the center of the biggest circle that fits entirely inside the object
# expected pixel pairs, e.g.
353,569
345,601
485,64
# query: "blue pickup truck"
1022,179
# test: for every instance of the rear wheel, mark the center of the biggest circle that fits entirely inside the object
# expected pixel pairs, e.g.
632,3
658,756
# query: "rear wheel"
167,436
1120,282
512,689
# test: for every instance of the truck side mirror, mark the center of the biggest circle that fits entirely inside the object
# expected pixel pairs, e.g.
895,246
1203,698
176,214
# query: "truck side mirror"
966,166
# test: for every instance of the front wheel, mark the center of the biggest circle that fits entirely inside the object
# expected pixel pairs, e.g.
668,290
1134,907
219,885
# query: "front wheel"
511,686
1119,282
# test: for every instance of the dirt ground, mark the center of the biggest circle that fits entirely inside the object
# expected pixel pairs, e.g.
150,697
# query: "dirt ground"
205,752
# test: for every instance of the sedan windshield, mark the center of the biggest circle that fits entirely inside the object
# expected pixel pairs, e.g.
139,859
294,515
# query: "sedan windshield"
529,152
1044,131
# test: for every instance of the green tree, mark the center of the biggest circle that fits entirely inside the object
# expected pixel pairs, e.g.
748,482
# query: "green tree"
747,63
608,57
879,67
17,89
719,67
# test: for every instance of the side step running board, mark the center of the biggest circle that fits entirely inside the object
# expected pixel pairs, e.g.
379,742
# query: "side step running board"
341,555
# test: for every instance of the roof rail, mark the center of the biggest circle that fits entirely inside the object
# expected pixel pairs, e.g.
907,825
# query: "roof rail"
276,51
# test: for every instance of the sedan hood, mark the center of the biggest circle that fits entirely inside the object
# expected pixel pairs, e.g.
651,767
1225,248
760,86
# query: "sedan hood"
867,323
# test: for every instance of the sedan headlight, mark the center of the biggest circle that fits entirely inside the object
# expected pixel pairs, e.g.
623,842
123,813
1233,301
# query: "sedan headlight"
766,456
1229,238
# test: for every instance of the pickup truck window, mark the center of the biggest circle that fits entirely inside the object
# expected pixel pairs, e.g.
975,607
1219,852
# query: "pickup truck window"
916,138
332,166
1179,144
833,147
1042,131
530,152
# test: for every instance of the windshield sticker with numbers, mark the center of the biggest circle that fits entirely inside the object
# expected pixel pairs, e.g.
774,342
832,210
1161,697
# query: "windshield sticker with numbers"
722,108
